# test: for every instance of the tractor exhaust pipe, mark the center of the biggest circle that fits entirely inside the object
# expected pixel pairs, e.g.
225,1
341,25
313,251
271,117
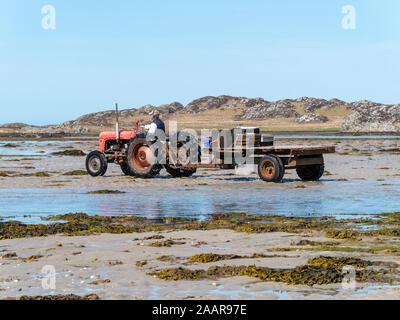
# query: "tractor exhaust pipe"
116,123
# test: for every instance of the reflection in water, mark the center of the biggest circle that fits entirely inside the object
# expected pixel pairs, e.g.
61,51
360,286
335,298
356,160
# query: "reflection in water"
317,199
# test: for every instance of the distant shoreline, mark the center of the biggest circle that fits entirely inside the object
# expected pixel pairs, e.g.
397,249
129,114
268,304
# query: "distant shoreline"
51,136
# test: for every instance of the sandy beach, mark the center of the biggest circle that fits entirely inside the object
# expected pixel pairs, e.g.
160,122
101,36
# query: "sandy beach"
111,267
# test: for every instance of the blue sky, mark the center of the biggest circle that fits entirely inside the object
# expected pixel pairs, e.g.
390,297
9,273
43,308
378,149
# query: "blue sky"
156,52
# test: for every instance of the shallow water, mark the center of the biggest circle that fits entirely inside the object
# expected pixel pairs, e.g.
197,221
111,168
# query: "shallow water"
325,198
33,148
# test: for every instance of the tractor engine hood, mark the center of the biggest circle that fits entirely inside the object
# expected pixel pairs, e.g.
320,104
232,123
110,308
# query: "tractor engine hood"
111,136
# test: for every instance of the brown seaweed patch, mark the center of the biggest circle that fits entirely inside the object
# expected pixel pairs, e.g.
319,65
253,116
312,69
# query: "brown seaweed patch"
141,264
167,258
308,275
166,243
106,192
307,242
339,262
10,145
76,173
342,234
9,255
35,174
73,153
155,237
213,257
35,257
7,173
99,281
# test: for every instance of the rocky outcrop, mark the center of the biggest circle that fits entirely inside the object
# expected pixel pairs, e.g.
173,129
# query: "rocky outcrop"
62,129
173,107
146,109
313,104
206,103
268,110
312,118
363,104
336,102
243,102
16,125
374,118
103,118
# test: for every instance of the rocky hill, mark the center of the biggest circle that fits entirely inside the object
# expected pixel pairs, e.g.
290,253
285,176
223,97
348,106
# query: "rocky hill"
367,116
302,113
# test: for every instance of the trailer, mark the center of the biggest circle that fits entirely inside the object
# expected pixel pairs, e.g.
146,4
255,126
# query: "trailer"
271,160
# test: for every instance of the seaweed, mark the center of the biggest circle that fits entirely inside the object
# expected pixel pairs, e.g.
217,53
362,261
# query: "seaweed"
166,243
339,262
99,281
342,234
106,192
308,275
73,153
76,173
213,257
141,264
83,224
167,258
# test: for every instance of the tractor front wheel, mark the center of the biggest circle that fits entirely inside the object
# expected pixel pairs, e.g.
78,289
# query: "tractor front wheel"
96,164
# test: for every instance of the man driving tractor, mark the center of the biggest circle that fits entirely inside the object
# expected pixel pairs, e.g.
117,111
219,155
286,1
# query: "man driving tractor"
156,123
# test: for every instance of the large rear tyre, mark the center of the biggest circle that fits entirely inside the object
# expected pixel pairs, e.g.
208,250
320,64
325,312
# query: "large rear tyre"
271,169
140,158
311,173
96,164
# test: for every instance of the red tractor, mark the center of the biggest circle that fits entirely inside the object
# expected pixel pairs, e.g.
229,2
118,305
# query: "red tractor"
132,151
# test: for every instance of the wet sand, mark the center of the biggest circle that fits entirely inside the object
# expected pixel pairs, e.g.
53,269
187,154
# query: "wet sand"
107,265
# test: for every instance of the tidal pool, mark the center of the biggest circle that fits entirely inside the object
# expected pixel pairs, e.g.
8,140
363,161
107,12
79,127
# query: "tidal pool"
325,198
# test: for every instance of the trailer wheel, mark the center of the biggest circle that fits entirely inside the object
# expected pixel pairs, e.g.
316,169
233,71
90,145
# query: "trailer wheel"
271,169
96,164
179,173
140,158
311,173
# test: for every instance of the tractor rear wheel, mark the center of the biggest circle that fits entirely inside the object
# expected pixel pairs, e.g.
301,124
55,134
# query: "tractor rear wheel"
96,164
271,169
140,158
311,173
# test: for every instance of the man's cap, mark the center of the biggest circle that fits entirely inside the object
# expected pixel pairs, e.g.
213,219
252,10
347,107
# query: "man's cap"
154,113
